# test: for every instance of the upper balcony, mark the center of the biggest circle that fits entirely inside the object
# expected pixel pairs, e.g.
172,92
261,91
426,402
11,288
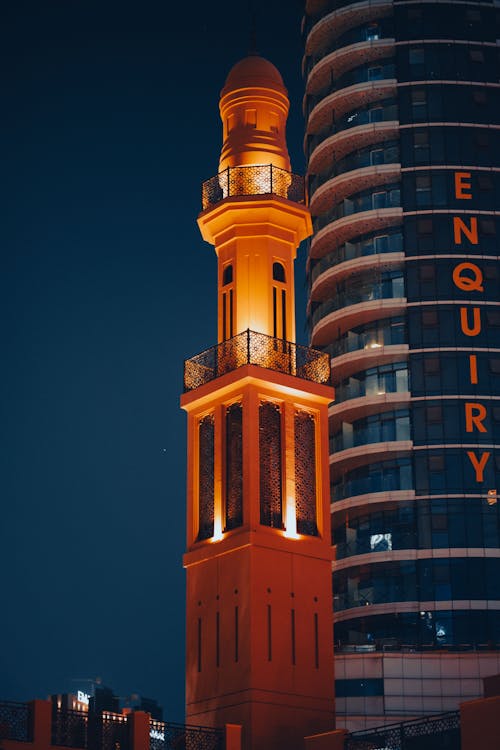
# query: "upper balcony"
340,15
252,348
256,179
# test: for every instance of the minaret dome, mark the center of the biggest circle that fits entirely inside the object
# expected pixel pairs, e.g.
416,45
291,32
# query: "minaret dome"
254,107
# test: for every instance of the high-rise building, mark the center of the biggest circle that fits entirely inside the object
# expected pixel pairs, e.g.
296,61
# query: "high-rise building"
259,600
403,115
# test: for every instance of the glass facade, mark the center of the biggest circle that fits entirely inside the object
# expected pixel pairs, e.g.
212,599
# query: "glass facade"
402,173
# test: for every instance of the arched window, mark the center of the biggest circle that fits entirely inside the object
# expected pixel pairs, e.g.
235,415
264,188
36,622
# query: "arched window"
279,302
279,272
227,275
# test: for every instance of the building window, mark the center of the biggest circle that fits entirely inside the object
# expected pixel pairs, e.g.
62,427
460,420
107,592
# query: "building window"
279,272
424,226
419,103
305,472
487,226
432,366
429,318
479,96
375,73
206,477
227,315
234,466
227,275
423,189
360,687
416,56
476,55
372,31
251,118
270,472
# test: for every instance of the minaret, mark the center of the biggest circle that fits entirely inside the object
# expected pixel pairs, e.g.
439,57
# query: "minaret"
259,602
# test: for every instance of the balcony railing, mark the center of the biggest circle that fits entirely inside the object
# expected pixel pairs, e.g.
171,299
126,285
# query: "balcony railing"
167,736
15,721
260,179
251,348
442,731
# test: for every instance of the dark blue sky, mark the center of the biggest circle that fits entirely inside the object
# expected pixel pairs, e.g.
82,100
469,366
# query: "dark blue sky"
109,125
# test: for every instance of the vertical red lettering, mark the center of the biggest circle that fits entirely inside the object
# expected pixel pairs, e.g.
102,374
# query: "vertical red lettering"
473,368
475,414
461,185
460,227
475,329
479,463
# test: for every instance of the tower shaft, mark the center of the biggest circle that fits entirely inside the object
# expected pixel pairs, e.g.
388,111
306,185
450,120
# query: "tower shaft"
258,560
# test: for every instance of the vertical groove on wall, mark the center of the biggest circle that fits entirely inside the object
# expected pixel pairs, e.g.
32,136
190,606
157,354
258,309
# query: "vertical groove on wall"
199,644
269,633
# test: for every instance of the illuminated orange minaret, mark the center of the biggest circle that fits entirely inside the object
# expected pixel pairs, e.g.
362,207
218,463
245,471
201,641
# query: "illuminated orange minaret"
259,602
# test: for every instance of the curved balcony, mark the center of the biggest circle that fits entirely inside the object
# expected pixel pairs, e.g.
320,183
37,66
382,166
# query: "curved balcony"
371,245
260,179
342,143
326,283
382,71
345,100
383,110
381,334
360,455
252,348
346,228
344,185
338,321
369,501
360,288
373,31
342,16
366,200
388,427
378,381
366,406
343,59
353,362
386,153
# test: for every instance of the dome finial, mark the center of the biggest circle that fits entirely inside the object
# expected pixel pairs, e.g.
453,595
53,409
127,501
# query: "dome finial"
252,47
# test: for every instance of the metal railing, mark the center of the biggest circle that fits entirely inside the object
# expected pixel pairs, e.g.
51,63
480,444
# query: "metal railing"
167,736
69,728
251,348
15,721
441,732
260,179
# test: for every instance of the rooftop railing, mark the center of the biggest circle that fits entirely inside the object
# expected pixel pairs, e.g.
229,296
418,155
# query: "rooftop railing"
439,731
260,179
168,736
251,348
15,721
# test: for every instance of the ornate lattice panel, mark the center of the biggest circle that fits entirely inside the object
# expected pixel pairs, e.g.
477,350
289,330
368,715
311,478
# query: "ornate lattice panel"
69,728
441,732
305,473
167,736
262,179
271,510
234,466
108,731
206,477
254,348
15,721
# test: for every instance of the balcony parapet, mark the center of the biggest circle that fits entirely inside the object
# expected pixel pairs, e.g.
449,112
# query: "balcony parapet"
252,348
259,179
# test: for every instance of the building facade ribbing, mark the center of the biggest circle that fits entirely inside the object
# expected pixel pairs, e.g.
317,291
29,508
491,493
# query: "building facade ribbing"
402,141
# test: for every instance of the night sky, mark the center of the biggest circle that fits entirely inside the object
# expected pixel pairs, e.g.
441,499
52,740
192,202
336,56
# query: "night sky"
109,125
